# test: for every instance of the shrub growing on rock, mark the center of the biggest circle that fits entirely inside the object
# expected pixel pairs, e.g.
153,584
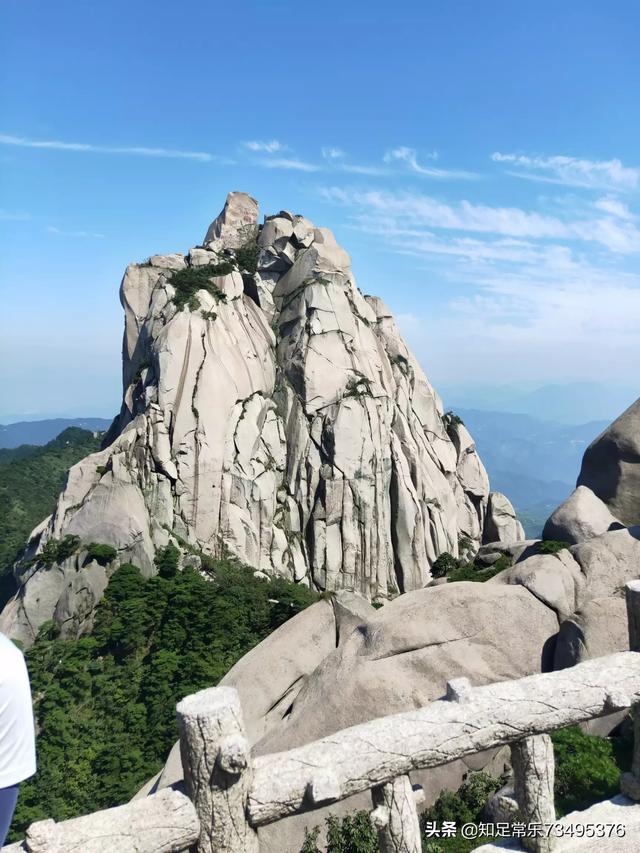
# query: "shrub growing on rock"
58,550
468,572
587,768
451,420
247,257
102,554
445,564
552,546
187,282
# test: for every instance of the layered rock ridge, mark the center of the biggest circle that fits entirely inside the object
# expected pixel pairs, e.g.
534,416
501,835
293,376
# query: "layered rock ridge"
272,410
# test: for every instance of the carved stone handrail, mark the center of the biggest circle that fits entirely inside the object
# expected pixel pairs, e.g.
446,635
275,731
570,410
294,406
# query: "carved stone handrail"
162,823
377,752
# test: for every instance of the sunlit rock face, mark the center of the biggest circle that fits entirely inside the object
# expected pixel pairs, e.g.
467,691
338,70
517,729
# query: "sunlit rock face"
277,414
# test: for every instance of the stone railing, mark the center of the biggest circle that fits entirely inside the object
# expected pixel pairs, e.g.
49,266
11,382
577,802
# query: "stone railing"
230,794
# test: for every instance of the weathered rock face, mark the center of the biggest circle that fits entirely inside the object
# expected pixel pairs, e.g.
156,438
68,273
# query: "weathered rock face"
582,516
501,523
402,657
611,466
278,414
584,586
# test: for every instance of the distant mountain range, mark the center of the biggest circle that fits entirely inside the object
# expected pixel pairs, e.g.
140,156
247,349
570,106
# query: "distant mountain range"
40,432
533,461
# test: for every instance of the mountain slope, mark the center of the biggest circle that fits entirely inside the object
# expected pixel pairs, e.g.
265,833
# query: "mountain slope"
30,481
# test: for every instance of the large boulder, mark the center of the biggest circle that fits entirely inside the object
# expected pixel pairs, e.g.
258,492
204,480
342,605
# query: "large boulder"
501,523
67,592
404,655
270,676
598,628
611,466
584,586
401,659
582,516
554,579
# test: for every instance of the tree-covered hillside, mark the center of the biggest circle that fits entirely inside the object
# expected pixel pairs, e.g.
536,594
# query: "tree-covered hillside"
31,479
105,703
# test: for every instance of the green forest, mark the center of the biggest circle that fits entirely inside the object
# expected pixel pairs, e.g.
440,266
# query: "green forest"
31,479
105,703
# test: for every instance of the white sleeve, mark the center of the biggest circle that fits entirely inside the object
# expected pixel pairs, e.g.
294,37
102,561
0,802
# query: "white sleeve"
17,733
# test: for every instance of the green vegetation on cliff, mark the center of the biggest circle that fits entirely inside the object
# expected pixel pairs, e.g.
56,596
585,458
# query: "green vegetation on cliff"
105,703
31,478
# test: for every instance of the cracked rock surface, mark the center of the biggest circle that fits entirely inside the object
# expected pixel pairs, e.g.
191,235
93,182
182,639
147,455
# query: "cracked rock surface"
277,413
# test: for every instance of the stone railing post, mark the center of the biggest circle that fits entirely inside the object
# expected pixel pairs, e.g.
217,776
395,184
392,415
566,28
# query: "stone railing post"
395,816
630,782
533,775
216,759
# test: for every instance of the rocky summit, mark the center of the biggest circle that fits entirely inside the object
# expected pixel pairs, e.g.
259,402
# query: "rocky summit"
270,410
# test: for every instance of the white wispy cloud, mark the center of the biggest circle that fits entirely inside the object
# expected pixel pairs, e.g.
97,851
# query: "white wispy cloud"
337,160
51,229
535,294
614,207
409,158
291,163
136,150
405,209
573,171
356,169
531,309
266,147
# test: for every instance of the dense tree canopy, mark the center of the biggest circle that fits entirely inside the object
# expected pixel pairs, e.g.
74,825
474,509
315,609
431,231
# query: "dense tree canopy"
30,481
105,703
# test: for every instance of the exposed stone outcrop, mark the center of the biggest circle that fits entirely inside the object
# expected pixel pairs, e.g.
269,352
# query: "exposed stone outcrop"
598,624
584,586
278,414
501,523
611,466
582,516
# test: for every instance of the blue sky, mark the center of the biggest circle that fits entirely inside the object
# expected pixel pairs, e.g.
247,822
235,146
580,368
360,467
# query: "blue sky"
479,161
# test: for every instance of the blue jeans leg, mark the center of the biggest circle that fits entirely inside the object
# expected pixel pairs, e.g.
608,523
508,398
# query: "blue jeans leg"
8,799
